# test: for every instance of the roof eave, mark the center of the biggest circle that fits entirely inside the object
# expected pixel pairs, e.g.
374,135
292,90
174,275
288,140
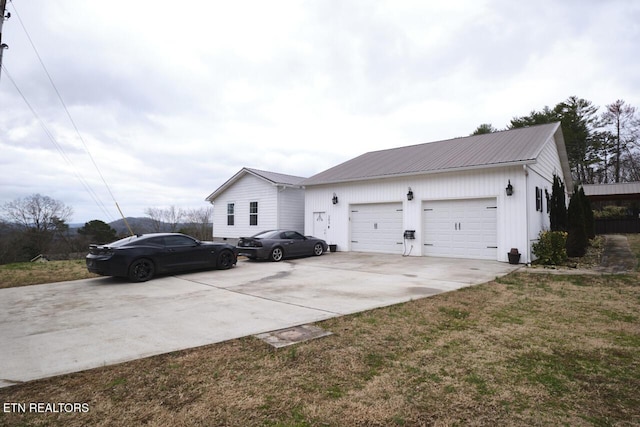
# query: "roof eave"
429,172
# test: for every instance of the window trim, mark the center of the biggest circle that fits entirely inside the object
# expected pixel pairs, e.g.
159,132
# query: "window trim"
231,215
253,214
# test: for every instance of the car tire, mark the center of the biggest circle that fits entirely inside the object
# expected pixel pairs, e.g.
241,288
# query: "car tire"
276,254
225,260
141,270
318,249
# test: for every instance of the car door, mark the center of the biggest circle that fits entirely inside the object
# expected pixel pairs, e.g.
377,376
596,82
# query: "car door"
185,253
296,244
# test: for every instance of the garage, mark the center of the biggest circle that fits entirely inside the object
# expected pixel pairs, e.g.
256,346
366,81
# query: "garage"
376,228
460,228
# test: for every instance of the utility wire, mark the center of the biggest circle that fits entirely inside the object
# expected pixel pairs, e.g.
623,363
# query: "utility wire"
75,127
57,145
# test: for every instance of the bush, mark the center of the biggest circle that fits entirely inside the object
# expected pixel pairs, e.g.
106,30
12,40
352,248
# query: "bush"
551,247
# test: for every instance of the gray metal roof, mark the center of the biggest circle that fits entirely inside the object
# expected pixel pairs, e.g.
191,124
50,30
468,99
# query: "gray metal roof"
271,177
620,188
277,178
516,146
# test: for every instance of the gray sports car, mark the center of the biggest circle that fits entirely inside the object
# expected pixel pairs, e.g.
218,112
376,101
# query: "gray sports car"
278,244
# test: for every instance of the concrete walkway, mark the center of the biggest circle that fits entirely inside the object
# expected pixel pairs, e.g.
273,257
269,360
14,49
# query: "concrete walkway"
616,255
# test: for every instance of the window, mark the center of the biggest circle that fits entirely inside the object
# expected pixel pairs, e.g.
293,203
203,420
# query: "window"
231,214
539,206
174,241
253,213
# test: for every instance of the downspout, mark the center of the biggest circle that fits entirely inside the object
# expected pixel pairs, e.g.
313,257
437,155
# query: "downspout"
526,195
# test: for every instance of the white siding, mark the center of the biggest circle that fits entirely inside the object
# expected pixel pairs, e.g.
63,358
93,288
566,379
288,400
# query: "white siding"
248,189
485,183
291,209
548,162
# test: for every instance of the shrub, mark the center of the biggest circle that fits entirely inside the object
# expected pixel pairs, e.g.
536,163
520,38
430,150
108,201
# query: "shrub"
551,247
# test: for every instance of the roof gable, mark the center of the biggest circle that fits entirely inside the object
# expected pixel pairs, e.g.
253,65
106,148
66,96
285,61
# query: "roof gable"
516,146
270,177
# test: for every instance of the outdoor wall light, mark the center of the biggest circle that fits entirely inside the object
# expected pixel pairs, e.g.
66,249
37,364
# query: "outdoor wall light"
334,199
410,194
509,189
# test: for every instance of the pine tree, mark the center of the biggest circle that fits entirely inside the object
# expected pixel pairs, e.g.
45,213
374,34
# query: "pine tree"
577,238
558,206
589,220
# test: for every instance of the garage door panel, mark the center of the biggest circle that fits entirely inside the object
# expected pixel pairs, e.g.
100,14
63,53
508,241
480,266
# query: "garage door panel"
377,228
460,228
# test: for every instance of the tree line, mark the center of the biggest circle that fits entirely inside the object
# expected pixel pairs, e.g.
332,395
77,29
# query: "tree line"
603,145
38,224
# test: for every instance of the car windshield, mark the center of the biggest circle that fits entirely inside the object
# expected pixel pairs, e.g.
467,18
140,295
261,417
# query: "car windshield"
266,235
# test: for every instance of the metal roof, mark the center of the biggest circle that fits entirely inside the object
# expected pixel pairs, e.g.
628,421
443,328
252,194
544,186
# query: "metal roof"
271,177
612,190
516,146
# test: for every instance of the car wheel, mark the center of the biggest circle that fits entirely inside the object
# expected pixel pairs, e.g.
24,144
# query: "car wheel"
276,254
318,249
225,260
141,270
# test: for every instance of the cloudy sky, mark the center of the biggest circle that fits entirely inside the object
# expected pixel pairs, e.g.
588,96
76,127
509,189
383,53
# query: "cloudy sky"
170,99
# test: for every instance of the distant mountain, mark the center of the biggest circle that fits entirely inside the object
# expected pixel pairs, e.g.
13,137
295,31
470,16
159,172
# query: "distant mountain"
138,225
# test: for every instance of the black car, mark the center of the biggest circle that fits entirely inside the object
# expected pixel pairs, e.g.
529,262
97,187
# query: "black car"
142,256
278,244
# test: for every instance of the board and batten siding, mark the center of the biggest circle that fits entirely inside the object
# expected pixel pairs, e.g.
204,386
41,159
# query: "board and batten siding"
483,183
290,209
248,189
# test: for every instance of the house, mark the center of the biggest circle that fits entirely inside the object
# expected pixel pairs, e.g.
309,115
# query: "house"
474,197
253,200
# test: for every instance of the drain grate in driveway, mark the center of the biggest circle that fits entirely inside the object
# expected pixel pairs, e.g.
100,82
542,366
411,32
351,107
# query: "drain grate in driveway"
290,336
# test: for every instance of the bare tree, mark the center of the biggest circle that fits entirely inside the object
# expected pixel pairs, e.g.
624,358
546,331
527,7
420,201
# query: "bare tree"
165,219
173,216
156,215
199,223
40,218
625,123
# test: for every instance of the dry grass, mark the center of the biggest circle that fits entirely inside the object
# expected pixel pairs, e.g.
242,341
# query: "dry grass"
34,273
527,349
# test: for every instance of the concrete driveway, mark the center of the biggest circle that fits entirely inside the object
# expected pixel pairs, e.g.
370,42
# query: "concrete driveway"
58,328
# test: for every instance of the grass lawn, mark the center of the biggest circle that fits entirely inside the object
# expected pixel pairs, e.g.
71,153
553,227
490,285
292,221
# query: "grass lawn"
526,349
34,273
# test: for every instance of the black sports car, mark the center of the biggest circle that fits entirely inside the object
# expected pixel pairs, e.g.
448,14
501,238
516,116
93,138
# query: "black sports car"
140,257
278,244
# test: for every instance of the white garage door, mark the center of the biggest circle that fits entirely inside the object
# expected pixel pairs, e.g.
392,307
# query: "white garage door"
377,228
460,228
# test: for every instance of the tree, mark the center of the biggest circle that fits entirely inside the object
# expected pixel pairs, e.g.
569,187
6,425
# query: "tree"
165,219
579,119
40,219
199,223
98,232
558,206
577,240
484,128
546,115
625,124
589,219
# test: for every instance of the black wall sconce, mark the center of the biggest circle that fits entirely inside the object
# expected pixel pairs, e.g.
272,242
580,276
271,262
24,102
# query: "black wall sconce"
334,200
410,194
509,189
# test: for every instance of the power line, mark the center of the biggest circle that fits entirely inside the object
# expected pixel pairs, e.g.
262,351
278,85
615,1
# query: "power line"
47,132
73,123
